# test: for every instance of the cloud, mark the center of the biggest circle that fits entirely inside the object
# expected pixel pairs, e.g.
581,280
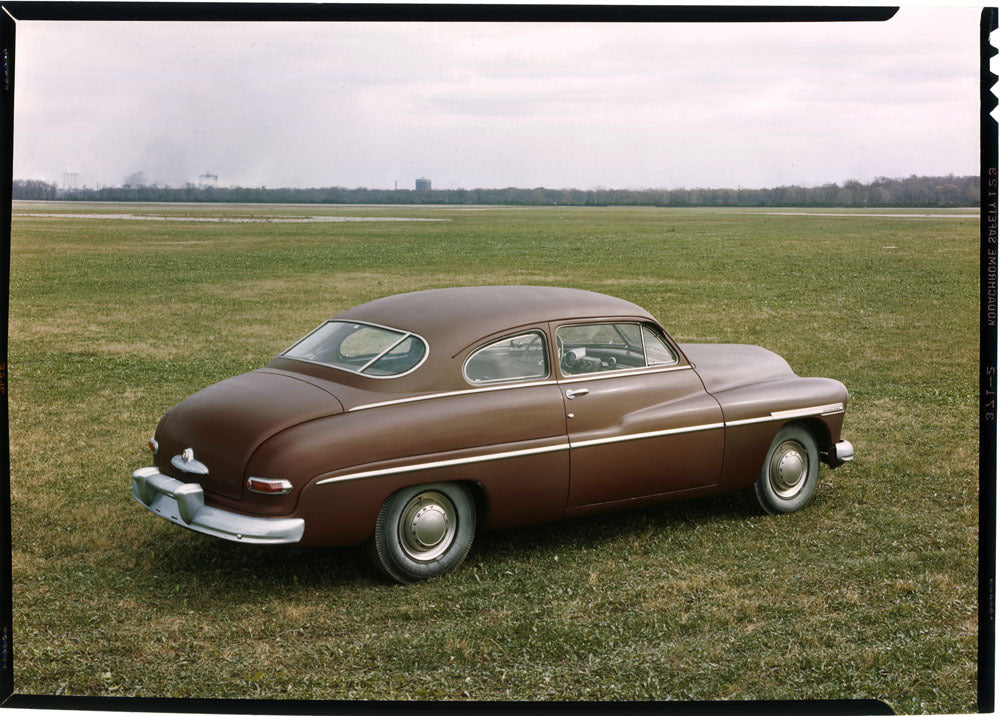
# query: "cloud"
499,104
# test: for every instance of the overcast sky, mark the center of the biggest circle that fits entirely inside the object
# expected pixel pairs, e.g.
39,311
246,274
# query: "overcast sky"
496,105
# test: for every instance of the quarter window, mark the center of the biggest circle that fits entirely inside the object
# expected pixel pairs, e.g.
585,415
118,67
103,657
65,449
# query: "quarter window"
657,350
520,357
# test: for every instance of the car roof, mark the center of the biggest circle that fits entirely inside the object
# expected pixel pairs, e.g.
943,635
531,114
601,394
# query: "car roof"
455,317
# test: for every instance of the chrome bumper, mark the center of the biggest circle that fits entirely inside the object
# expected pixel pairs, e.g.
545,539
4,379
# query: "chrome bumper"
840,453
184,503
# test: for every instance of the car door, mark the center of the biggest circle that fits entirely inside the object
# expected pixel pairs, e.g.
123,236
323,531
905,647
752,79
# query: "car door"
638,418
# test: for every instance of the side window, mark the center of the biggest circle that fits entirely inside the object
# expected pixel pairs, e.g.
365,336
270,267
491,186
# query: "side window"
596,347
657,350
520,357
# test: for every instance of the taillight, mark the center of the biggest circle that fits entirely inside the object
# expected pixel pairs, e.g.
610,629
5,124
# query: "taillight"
153,445
269,486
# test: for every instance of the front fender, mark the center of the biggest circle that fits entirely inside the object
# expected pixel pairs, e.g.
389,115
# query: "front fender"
753,415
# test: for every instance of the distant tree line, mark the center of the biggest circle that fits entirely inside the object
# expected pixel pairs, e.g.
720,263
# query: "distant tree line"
34,189
923,191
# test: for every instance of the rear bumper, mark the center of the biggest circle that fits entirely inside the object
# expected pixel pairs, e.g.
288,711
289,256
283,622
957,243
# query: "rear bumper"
840,453
184,503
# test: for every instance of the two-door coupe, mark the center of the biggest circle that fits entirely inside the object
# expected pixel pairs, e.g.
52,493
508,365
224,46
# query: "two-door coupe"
407,421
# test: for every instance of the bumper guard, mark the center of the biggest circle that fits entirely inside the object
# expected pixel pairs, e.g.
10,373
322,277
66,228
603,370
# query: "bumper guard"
184,503
840,453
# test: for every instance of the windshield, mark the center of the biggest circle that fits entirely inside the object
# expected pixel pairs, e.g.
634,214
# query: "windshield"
370,350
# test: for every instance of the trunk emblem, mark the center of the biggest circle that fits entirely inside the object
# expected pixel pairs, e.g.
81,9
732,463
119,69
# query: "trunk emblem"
185,462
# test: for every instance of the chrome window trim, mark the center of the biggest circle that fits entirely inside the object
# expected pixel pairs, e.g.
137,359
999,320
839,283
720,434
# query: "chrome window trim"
406,334
510,336
376,358
642,339
604,322
666,344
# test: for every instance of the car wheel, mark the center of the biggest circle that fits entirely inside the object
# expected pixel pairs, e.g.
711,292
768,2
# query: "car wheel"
423,531
788,478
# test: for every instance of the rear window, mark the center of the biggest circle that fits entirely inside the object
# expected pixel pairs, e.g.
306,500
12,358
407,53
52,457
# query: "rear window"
363,348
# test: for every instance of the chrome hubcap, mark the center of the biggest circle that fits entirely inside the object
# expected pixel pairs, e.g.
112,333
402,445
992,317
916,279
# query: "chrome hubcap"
788,469
427,526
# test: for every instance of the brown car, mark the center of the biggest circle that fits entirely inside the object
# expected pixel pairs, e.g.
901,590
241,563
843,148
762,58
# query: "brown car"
407,421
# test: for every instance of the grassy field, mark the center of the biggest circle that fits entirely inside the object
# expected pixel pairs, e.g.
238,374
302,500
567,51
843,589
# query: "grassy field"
870,592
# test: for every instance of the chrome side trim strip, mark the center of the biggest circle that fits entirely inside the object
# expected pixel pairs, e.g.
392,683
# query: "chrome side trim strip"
623,373
641,436
531,384
514,453
469,391
748,421
829,409
445,463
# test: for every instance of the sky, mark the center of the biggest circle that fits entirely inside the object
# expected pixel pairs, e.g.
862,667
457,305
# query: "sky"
495,105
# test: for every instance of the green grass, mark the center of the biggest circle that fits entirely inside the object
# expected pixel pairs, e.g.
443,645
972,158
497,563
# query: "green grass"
870,592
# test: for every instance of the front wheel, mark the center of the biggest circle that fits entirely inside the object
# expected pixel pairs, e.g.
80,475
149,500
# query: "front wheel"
790,472
423,531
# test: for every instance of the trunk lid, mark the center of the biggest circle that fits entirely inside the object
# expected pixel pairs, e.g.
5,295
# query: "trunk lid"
224,423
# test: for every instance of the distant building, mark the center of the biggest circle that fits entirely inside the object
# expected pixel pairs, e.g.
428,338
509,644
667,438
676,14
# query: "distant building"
207,180
423,184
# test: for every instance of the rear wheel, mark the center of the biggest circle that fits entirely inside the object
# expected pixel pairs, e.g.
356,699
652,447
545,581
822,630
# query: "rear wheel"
423,531
790,472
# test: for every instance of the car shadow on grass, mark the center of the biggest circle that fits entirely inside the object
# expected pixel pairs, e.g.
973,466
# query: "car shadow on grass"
234,571
242,572
603,530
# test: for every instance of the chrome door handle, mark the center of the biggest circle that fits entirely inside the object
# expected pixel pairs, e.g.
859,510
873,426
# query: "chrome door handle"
570,394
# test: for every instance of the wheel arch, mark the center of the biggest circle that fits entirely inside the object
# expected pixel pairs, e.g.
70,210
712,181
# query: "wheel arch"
822,435
481,499
818,429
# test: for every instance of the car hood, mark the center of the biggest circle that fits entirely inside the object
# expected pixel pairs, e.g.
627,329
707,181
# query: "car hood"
724,366
224,423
